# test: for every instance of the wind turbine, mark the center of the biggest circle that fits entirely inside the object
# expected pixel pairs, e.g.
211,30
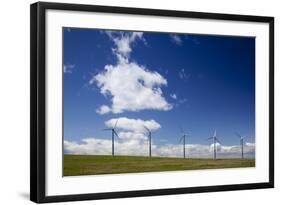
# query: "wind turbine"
149,138
113,133
215,140
183,139
242,144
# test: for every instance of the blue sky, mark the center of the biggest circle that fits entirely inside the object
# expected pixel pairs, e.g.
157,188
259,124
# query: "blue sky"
196,82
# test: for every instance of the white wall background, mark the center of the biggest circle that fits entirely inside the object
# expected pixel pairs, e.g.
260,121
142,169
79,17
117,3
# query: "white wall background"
14,100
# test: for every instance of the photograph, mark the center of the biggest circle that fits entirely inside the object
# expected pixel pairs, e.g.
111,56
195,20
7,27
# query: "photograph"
145,101
134,102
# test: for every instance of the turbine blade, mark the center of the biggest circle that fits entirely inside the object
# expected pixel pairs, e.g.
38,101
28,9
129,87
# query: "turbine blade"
115,123
215,133
146,134
148,130
106,129
181,139
210,138
116,133
238,135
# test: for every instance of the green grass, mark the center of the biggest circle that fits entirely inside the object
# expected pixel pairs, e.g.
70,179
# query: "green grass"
90,165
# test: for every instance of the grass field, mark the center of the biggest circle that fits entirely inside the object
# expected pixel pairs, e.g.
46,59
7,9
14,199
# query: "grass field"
90,165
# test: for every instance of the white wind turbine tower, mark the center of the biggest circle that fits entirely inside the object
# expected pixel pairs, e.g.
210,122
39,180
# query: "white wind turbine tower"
149,138
242,144
215,140
183,140
113,133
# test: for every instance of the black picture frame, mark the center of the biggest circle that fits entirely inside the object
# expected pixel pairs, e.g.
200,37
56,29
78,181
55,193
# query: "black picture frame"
38,104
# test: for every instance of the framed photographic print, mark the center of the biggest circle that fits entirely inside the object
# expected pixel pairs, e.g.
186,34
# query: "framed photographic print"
129,102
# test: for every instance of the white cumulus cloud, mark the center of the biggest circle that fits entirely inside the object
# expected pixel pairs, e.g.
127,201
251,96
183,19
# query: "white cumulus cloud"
68,68
176,39
183,75
132,130
174,96
103,109
218,147
139,147
132,87
135,125
132,140
123,41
